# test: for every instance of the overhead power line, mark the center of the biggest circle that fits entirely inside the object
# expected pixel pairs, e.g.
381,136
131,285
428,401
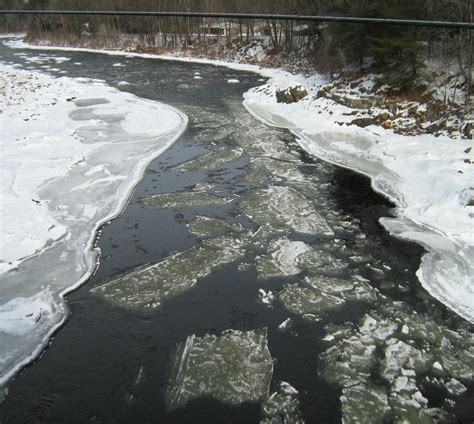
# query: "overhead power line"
307,18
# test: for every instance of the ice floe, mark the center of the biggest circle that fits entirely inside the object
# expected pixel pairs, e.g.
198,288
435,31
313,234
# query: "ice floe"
212,160
203,226
280,259
284,210
150,286
378,346
185,200
232,367
283,406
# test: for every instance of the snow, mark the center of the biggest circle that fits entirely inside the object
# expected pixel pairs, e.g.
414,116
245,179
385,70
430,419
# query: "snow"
71,153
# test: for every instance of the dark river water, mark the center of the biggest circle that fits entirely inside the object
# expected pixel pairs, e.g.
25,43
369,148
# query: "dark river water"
89,372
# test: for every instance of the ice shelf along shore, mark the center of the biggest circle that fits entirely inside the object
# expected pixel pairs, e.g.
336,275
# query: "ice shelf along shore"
428,178
72,151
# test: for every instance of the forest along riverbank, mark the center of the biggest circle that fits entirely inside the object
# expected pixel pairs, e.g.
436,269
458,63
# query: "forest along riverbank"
269,252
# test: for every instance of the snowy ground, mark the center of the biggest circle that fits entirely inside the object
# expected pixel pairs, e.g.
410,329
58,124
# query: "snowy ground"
71,153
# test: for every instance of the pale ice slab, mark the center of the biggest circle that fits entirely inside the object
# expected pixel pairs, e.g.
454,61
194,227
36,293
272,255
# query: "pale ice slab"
321,261
185,200
350,289
364,403
307,302
72,152
283,406
203,226
232,367
280,260
211,160
354,356
281,170
150,286
285,210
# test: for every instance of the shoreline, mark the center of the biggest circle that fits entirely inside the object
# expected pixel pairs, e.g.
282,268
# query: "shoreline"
45,309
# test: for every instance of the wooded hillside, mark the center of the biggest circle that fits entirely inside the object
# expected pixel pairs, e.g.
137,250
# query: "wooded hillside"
398,53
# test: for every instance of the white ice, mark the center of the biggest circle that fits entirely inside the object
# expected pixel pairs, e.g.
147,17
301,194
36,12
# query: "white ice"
71,153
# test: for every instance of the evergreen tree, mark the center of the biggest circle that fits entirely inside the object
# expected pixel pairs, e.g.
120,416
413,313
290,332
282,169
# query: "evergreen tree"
396,50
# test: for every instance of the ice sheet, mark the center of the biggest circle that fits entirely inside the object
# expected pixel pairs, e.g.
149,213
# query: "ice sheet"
71,153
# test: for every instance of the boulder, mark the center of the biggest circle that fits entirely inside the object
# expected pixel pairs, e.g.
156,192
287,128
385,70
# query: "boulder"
363,122
384,116
291,94
356,101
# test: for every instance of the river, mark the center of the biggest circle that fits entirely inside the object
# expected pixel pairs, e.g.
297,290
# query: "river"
111,361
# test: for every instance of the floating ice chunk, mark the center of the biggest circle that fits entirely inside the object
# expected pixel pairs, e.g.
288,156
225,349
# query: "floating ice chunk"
260,167
123,83
150,286
286,325
266,298
343,288
455,387
282,407
407,403
203,226
212,160
197,77
118,65
307,301
348,362
457,360
365,403
185,200
60,59
285,210
233,81
233,367
280,260
321,261
399,354
376,327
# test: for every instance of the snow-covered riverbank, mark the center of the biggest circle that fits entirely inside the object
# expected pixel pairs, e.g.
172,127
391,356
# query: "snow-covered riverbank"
72,153
428,178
